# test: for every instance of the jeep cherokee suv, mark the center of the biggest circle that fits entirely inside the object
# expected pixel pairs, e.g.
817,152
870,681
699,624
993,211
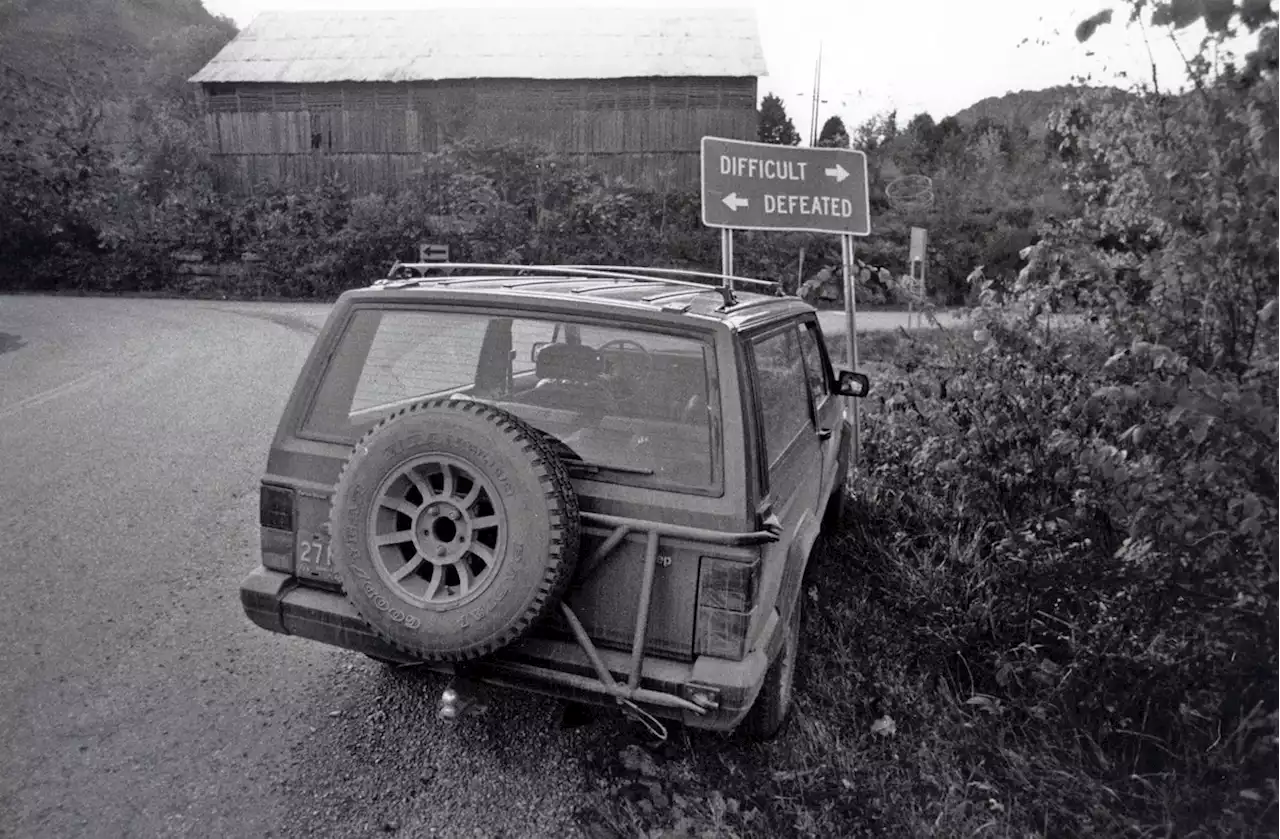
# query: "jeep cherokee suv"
600,484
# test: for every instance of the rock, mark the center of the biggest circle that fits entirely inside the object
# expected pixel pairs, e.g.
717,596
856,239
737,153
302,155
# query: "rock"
810,291
636,759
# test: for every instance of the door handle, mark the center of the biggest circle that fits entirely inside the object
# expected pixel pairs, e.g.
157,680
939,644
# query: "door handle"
824,433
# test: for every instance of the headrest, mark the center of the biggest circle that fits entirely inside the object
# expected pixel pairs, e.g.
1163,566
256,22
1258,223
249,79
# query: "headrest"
574,362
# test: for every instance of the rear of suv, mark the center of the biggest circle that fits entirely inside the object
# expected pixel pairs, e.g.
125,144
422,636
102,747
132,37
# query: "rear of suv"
600,484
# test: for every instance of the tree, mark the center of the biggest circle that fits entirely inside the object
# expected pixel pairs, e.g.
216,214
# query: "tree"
921,129
177,54
833,134
922,137
875,132
775,126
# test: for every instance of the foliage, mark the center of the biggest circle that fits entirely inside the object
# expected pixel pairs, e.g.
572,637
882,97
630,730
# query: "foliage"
878,130
1008,635
177,54
833,134
775,126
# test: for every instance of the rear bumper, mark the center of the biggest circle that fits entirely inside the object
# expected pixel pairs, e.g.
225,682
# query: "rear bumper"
275,602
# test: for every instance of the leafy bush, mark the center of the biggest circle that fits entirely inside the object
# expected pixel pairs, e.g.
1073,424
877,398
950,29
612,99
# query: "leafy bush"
1009,634
1110,535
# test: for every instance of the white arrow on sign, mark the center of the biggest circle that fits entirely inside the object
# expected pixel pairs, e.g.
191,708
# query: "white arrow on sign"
733,202
838,172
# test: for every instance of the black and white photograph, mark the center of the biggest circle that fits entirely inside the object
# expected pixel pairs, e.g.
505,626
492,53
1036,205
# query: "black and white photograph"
633,420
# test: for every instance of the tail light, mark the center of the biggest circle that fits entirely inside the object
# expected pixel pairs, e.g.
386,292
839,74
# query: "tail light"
726,602
276,506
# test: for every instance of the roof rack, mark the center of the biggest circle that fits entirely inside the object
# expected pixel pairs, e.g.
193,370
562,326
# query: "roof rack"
726,282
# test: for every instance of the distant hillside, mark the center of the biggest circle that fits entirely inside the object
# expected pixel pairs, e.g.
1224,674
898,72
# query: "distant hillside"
1030,108
94,48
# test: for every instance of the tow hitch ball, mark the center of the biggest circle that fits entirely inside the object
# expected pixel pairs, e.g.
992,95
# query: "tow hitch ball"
462,696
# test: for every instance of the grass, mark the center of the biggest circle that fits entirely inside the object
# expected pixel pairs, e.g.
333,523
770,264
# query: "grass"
880,745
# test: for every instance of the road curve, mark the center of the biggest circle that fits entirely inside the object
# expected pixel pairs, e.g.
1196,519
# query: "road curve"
136,699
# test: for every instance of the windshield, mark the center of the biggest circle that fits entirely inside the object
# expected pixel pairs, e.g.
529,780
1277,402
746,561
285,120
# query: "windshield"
626,404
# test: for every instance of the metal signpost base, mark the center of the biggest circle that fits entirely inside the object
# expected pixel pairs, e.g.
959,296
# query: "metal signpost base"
726,254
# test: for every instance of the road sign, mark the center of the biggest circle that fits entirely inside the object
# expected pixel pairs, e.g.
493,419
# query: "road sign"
428,252
917,259
761,186
919,243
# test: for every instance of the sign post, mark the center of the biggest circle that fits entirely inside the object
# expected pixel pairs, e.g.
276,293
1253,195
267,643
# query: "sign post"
916,260
762,186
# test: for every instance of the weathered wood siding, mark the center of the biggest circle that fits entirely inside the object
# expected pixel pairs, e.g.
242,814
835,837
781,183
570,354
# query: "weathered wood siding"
374,135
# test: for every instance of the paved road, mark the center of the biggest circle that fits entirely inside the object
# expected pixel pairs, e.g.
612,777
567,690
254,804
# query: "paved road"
136,700
834,324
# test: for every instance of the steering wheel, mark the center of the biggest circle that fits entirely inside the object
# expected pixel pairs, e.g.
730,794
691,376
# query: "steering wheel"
640,373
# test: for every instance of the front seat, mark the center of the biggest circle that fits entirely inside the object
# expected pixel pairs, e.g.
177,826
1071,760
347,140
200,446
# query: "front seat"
570,378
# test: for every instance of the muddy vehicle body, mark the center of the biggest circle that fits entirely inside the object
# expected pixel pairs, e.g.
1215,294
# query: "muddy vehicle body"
598,484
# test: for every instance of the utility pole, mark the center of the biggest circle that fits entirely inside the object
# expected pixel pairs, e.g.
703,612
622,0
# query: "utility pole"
817,86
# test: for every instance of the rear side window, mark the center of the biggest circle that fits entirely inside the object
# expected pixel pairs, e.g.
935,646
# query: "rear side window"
638,404
405,359
780,385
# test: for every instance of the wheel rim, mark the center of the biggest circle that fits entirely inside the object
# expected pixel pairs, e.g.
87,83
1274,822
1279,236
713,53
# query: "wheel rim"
437,531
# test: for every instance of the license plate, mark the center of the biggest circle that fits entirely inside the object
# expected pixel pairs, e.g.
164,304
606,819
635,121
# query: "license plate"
314,552
315,557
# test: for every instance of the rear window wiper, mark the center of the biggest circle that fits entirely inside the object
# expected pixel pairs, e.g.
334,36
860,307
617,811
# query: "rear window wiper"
578,463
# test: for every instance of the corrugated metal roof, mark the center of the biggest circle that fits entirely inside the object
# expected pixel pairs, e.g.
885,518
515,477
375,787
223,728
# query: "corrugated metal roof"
396,46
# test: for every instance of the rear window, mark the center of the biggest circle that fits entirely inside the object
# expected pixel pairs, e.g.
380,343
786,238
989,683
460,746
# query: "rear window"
638,405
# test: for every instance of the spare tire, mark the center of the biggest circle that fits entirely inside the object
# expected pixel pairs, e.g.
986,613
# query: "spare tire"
455,528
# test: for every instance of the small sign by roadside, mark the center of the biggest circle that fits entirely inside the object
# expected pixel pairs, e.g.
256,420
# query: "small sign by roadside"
919,242
916,260
915,279
429,252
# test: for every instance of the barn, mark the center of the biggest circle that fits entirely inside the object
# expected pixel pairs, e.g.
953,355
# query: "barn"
298,96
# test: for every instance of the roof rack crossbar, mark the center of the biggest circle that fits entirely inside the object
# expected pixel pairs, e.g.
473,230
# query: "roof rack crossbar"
524,281
672,295
587,289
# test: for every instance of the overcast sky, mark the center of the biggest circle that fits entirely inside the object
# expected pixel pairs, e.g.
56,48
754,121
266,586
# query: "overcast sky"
916,55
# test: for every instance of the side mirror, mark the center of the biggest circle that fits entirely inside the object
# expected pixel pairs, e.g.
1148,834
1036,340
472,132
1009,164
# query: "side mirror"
537,348
849,383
